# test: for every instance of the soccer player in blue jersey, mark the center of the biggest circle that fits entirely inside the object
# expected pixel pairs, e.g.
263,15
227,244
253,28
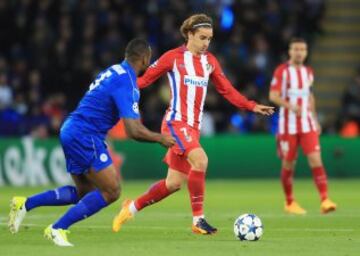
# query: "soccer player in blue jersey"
112,96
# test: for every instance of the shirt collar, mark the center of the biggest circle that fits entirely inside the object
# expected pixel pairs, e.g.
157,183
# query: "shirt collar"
185,49
292,65
127,66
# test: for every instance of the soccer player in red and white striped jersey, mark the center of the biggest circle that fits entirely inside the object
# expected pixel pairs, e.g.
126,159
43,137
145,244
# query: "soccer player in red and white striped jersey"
298,125
189,69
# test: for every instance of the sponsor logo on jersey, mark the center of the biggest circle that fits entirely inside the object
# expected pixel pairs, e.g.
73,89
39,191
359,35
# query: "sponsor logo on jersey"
195,81
299,92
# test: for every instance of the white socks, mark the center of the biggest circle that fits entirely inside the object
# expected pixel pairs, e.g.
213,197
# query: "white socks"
196,218
132,208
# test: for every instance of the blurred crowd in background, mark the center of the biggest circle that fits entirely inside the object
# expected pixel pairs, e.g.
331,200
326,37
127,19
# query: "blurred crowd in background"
51,50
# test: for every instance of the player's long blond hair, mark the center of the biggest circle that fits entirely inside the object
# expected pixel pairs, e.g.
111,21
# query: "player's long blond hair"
193,23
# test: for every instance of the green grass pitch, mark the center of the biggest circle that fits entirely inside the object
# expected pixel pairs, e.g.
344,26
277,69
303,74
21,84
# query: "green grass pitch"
164,229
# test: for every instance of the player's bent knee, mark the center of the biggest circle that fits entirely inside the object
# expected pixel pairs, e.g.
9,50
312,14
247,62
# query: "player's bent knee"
289,165
111,194
198,159
315,163
201,164
173,186
314,160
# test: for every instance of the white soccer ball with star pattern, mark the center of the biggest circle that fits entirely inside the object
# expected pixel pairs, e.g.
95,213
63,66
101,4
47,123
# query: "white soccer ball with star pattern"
248,227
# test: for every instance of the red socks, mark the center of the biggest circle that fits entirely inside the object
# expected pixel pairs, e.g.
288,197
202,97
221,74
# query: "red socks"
320,179
156,192
196,186
287,184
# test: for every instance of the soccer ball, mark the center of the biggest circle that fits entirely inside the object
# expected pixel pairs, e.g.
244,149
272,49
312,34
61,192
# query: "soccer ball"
248,227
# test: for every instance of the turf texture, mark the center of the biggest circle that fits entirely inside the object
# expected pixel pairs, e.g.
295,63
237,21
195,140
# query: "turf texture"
164,229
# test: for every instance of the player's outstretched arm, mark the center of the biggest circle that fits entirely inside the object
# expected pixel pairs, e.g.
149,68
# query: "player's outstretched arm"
225,88
137,131
263,110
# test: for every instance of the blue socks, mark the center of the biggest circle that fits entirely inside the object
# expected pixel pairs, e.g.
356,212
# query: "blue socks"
61,196
90,204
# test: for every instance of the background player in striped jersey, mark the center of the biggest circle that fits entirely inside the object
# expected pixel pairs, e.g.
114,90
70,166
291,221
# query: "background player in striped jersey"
189,69
298,125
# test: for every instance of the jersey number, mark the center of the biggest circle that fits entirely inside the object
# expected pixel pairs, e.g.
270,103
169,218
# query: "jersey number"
103,76
187,136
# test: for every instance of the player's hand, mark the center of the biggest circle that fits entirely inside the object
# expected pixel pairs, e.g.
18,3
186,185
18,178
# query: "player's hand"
296,110
264,110
318,127
167,141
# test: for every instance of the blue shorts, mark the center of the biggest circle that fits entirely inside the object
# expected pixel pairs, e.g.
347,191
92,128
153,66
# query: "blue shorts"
84,151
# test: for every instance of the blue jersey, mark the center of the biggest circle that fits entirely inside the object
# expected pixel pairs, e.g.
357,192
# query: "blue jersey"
112,96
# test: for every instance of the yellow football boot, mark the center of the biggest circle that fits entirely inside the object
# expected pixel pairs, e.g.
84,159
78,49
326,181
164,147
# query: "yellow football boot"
58,236
17,213
327,206
294,208
123,216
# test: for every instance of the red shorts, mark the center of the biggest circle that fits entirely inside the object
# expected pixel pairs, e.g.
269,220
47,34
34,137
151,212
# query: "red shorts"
287,144
187,139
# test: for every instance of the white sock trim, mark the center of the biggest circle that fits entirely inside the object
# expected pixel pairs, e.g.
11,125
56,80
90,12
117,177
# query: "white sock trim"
132,208
196,218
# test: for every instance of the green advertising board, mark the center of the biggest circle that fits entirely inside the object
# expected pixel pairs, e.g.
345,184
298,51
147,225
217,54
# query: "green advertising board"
243,156
28,162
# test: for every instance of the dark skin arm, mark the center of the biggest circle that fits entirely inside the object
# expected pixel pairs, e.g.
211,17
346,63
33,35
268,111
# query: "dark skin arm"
137,131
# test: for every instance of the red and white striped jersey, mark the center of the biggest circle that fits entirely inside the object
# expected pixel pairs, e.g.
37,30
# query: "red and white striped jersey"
294,85
188,76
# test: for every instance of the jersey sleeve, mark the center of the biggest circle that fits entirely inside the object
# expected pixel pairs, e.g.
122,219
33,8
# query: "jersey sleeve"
224,87
276,80
155,70
126,99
